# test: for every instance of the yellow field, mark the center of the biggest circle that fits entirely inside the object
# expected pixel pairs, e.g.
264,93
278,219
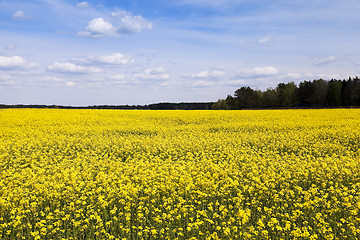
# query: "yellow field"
102,174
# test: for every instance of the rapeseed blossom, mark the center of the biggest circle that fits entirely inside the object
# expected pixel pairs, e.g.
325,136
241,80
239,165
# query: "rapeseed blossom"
110,174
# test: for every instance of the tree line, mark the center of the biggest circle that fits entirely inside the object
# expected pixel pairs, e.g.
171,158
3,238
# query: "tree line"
155,106
308,94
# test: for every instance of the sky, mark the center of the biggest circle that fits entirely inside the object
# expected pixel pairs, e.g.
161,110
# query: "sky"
96,52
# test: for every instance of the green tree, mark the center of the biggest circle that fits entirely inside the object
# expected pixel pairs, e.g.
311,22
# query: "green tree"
304,94
286,94
246,97
231,102
268,99
221,104
320,92
334,93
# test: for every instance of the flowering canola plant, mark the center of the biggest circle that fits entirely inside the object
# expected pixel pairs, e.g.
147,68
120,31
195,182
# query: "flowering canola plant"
120,174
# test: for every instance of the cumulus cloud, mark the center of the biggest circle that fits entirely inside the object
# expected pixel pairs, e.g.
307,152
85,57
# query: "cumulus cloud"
201,83
130,24
204,78
202,74
7,83
52,79
6,80
265,71
112,59
153,74
98,27
14,62
206,74
4,77
291,76
235,82
121,81
20,15
118,77
258,71
309,76
324,60
72,68
82,5
70,84
122,22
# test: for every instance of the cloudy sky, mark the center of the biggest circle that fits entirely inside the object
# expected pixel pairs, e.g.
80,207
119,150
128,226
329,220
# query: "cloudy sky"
94,52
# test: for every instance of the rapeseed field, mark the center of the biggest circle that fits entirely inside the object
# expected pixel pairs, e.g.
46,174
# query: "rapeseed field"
117,174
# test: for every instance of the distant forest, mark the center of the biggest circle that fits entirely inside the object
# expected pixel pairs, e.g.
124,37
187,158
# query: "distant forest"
308,94
155,106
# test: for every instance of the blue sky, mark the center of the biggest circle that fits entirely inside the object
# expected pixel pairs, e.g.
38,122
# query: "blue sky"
70,52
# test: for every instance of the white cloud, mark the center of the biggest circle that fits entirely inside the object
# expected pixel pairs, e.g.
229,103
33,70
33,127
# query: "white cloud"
118,77
52,79
217,73
9,83
327,76
235,82
202,83
82,5
120,80
130,24
5,80
204,78
72,68
15,62
264,40
265,71
70,84
291,76
95,84
324,60
258,71
255,42
4,77
98,27
153,74
122,22
203,74
206,74
115,58
154,71
309,76
21,15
